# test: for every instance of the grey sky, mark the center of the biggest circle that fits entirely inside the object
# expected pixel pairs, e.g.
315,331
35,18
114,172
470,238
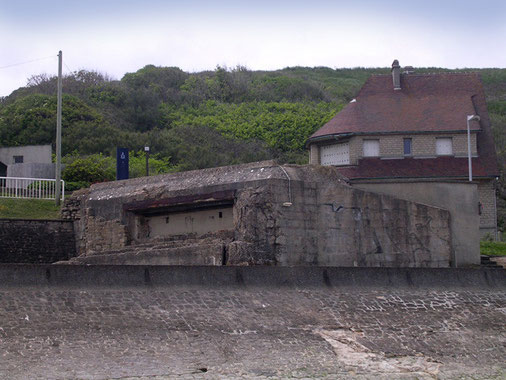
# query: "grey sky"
119,36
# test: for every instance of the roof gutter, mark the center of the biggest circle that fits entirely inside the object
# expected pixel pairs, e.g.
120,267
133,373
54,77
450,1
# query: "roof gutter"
336,137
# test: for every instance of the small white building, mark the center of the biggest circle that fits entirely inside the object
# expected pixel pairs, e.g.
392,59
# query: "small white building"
31,161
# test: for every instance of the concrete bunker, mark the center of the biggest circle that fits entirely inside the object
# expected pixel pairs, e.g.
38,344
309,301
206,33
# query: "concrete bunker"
175,220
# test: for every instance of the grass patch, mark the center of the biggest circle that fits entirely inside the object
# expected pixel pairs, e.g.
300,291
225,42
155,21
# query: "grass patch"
493,248
28,209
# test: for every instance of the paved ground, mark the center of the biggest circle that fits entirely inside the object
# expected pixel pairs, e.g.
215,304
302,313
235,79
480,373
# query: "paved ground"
197,332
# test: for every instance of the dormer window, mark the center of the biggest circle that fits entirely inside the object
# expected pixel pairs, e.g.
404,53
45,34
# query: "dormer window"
444,146
371,148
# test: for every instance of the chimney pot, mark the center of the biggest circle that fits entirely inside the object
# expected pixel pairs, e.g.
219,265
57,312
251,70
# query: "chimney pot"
396,74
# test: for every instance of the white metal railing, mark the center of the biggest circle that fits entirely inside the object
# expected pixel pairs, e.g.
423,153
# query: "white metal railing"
38,188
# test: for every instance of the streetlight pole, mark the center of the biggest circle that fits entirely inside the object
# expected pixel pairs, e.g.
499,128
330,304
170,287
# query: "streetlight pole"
469,162
146,149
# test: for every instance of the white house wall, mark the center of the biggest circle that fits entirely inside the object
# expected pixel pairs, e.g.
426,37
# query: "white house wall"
30,153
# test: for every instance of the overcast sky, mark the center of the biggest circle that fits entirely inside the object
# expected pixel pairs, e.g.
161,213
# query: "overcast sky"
119,36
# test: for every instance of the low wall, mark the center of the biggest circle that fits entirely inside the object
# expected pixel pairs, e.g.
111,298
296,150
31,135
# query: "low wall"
36,241
272,277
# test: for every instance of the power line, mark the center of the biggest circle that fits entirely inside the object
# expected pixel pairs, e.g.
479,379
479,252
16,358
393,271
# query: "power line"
25,62
68,68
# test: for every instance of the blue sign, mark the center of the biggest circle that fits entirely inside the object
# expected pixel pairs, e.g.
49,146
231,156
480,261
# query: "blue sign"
121,163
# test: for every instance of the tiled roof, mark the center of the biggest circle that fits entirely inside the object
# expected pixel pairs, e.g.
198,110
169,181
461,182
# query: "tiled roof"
376,168
425,103
428,103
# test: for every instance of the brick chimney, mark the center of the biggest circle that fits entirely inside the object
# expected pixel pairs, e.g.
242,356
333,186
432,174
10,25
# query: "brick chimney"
396,75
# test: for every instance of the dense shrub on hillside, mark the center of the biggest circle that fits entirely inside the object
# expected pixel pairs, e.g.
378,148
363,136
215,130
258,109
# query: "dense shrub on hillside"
90,169
197,147
283,126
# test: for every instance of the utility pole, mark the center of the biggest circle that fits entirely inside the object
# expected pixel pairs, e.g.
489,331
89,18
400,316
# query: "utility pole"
58,132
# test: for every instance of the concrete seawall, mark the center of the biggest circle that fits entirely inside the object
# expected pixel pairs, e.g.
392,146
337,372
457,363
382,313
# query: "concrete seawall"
13,275
263,323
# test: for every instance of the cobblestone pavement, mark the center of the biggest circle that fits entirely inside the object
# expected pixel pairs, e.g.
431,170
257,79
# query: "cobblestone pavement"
254,333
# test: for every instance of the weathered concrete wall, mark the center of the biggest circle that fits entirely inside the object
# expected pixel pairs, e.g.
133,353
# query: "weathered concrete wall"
329,224
296,216
391,232
451,196
36,241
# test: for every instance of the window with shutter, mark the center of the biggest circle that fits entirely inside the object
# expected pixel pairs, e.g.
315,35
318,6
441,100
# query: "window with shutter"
371,148
336,154
444,146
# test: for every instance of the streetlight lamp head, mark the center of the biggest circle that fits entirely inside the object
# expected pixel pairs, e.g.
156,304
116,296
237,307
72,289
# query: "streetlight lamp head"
473,117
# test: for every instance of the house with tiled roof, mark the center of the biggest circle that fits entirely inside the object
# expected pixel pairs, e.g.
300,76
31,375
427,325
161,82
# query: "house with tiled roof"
409,135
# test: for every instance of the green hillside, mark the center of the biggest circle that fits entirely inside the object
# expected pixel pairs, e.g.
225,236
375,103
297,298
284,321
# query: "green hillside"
202,119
